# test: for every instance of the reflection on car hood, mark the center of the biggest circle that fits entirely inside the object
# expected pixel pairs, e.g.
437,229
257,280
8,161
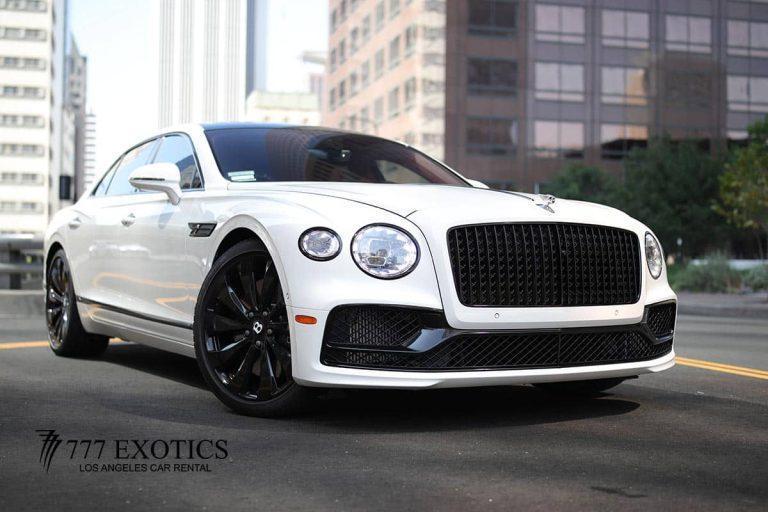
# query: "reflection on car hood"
462,205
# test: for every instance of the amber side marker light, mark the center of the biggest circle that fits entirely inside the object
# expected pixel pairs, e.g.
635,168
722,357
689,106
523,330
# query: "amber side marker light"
304,319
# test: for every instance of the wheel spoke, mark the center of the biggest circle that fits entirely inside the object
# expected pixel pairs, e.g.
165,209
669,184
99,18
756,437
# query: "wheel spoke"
55,296
223,323
242,376
248,280
267,381
226,354
269,285
234,299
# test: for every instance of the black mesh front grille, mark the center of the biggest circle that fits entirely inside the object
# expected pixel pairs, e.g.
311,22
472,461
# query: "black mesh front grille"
378,326
661,319
544,265
391,338
509,351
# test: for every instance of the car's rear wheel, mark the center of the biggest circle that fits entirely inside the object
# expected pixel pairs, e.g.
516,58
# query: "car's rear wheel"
242,338
580,388
65,330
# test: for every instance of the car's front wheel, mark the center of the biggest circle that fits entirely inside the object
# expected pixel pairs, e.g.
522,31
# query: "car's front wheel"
242,339
65,330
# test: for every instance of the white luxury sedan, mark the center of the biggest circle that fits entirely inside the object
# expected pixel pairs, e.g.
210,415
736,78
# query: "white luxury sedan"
287,259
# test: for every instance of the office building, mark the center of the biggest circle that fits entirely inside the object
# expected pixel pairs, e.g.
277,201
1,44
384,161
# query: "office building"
512,92
300,108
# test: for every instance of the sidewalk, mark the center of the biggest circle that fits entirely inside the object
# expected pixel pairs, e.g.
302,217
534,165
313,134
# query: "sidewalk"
753,305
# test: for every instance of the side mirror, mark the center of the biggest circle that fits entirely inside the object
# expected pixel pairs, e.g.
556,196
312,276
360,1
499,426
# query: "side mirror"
160,177
476,184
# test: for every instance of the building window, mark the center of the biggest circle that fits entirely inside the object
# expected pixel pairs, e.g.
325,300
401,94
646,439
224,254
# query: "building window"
365,28
379,15
410,39
333,59
353,122
22,34
343,10
353,84
409,92
394,8
23,63
553,139
378,62
747,38
617,140
23,5
332,99
22,150
365,119
748,93
365,73
394,102
342,92
559,82
626,29
22,121
353,40
559,24
432,139
17,91
394,52
334,20
492,17
378,110
688,34
625,86
492,76
21,178
342,51
491,136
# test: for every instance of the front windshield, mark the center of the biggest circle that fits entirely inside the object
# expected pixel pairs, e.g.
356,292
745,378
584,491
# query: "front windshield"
315,154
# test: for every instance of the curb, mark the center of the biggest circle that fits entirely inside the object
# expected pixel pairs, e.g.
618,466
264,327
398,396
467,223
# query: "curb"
15,303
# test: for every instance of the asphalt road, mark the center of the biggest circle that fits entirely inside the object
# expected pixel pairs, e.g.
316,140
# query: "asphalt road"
691,438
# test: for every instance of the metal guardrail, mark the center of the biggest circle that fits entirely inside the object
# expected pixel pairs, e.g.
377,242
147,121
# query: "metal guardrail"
21,259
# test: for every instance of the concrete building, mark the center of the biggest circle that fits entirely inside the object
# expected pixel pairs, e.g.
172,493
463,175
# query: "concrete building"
212,54
511,92
76,94
283,107
89,150
35,166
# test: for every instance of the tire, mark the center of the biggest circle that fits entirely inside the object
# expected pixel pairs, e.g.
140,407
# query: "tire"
242,336
66,334
580,388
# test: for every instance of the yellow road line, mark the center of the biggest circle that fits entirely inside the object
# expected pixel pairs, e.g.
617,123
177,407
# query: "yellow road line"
725,368
23,344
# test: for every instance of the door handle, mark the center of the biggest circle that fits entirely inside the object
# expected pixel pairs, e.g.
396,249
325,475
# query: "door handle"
75,223
128,220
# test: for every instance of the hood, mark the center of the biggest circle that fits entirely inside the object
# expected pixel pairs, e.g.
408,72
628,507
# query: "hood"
450,204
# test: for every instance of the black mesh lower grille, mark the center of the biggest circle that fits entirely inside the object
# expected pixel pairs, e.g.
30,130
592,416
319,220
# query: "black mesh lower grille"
398,339
661,319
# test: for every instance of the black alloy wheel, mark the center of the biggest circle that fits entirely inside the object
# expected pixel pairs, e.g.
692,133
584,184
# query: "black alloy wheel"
242,337
65,330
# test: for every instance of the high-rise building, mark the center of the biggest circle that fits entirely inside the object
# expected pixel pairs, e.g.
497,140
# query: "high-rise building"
77,76
300,108
212,53
35,163
511,92
89,150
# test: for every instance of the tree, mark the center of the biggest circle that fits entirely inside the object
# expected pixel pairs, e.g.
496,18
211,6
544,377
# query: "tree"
585,184
744,184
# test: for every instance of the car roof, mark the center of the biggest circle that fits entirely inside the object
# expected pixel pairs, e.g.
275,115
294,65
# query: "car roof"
221,126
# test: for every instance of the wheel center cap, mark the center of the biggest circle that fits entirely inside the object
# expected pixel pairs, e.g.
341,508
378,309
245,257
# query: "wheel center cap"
257,327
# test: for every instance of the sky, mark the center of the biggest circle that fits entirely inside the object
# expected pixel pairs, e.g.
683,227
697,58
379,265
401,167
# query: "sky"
120,39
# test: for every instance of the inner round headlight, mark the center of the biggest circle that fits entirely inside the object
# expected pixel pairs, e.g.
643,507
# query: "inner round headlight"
653,256
384,251
319,244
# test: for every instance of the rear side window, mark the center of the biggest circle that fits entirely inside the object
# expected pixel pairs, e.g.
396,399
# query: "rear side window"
131,161
177,149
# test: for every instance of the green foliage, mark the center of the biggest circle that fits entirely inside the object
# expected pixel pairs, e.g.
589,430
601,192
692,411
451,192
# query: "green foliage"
714,275
757,278
671,187
585,184
744,184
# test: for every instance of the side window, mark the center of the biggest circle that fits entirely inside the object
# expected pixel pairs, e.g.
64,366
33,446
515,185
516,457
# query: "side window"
177,149
101,189
132,160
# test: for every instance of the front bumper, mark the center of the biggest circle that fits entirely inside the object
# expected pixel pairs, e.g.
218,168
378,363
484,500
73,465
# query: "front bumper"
432,354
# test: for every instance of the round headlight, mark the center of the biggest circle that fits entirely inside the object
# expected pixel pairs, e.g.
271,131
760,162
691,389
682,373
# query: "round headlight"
319,244
384,251
653,256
